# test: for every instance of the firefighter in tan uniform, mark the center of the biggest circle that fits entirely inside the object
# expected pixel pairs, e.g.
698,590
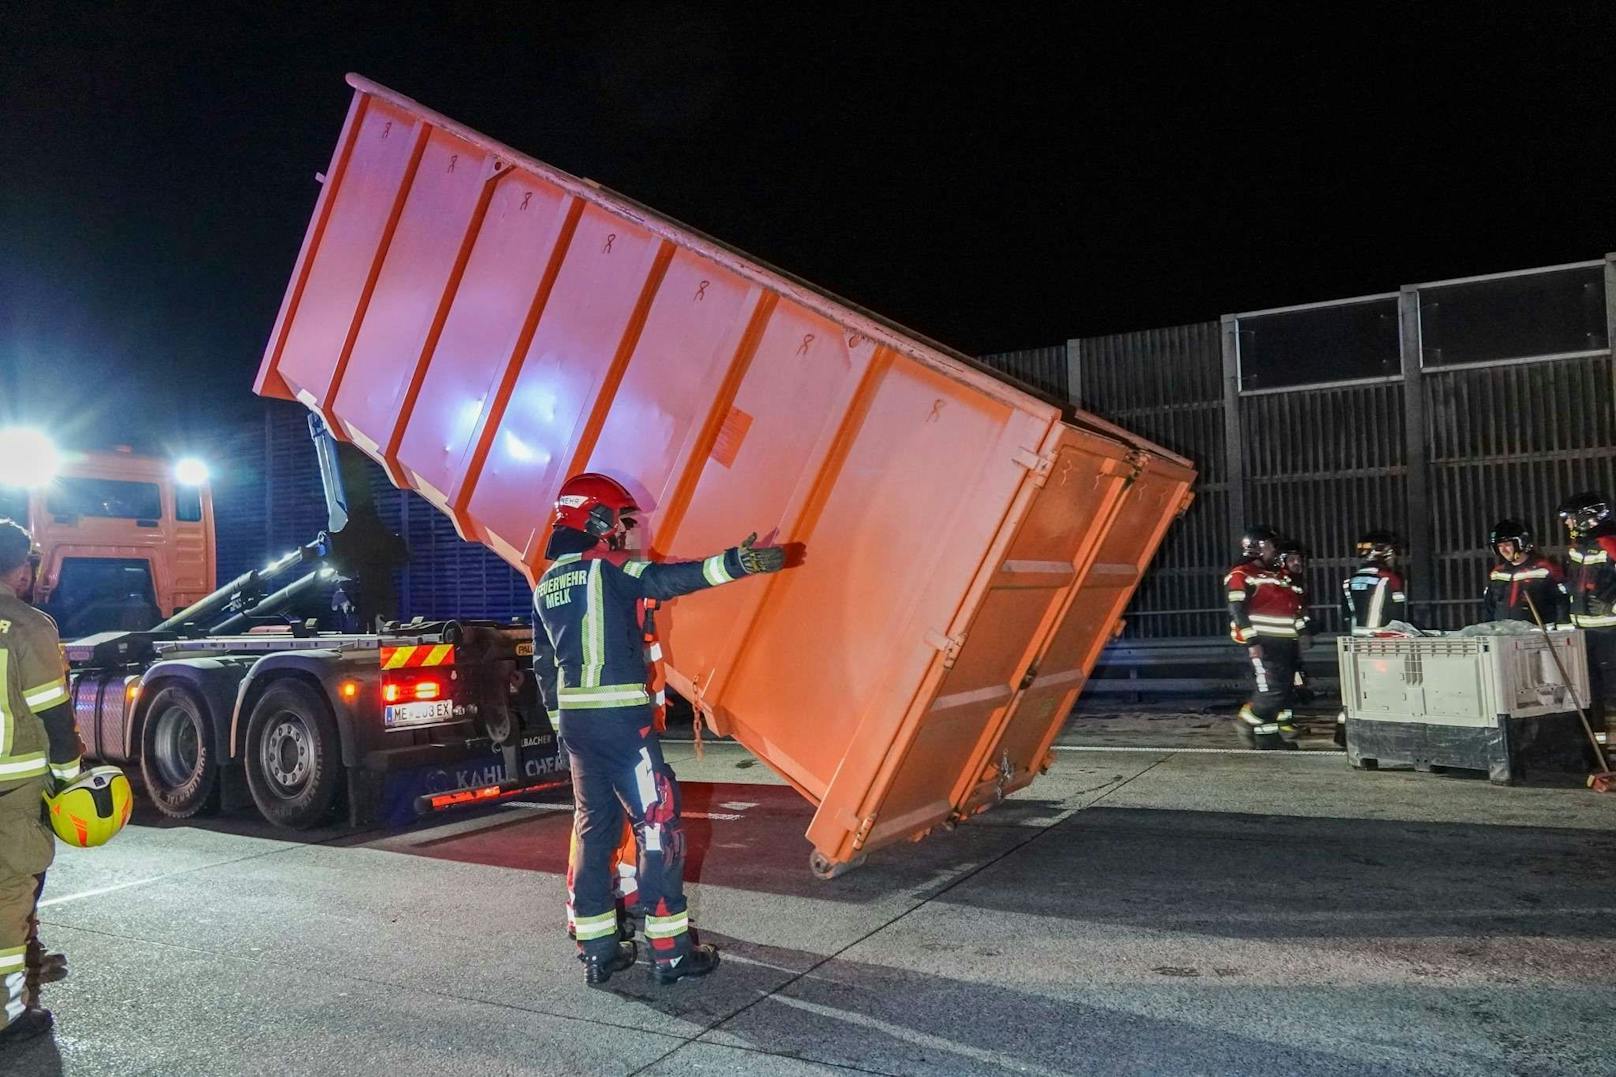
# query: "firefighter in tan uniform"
38,746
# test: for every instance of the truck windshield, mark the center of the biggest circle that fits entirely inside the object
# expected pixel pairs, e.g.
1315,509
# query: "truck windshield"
105,497
102,594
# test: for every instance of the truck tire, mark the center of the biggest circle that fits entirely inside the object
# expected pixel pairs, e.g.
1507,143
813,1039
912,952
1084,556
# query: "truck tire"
293,757
178,757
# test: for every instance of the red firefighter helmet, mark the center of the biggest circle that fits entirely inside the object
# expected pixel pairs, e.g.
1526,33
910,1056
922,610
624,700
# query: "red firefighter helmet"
594,504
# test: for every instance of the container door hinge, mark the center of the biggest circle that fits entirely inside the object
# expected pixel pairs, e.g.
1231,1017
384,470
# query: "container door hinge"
863,833
1040,466
1137,462
949,645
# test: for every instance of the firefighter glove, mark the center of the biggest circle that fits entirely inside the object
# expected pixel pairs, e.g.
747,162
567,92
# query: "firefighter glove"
760,559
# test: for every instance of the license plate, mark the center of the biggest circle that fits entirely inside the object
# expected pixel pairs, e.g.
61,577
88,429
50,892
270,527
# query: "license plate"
398,714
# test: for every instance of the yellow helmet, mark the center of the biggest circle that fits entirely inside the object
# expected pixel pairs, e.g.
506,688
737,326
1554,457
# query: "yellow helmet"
92,808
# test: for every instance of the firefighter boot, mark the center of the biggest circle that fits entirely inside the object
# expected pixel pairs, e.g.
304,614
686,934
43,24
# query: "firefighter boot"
701,960
44,967
33,1022
597,970
1287,728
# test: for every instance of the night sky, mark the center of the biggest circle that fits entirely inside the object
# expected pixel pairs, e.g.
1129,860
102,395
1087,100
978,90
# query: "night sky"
990,175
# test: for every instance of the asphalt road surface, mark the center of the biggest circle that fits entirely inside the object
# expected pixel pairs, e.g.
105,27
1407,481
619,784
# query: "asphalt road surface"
1139,911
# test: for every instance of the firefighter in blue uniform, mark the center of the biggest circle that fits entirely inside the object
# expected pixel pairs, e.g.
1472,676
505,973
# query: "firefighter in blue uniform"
590,602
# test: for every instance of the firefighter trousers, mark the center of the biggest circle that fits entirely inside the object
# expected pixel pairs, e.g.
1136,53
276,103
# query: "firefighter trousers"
617,772
1601,644
26,848
1274,669
626,860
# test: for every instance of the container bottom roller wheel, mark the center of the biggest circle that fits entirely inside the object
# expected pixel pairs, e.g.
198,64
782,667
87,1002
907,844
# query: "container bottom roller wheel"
822,868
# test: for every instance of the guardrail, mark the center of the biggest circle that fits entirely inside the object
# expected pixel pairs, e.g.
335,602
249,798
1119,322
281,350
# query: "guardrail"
1140,670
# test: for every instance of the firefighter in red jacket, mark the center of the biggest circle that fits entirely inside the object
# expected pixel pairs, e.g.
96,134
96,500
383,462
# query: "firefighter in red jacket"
1592,584
591,603
1523,580
1266,617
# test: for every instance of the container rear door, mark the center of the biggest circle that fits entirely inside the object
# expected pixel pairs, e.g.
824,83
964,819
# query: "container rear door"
1018,600
1150,493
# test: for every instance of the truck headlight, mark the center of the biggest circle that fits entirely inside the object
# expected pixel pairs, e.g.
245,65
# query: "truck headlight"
27,457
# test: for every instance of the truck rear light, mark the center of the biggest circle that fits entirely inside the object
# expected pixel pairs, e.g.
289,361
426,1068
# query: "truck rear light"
417,686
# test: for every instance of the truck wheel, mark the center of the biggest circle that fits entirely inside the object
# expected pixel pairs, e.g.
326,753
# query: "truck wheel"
294,763
177,755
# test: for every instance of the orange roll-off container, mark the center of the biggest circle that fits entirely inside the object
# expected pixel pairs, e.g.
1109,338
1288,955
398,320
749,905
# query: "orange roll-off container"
484,325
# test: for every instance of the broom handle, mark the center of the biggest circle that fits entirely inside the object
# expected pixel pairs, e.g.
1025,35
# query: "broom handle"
1599,749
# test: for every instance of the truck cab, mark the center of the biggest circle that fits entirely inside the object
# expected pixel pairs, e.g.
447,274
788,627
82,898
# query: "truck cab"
124,540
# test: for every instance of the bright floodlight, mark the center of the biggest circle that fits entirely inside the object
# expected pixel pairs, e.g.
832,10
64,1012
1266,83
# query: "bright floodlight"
27,457
191,472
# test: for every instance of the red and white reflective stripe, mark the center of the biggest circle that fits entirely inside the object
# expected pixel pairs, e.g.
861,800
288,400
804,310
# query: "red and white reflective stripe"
628,879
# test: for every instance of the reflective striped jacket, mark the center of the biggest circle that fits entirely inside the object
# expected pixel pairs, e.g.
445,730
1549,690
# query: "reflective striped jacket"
590,608
1592,583
1373,597
33,690
1263,601
1510,586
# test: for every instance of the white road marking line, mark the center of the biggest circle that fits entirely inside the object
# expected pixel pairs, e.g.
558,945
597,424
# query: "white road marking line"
738,805
100,890
724,815
998,1059
1202,751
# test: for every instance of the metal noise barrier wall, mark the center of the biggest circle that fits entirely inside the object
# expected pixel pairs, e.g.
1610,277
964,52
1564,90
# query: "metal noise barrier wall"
1511,441
1044,369
267,500
1168,385
1324,465
1436,452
